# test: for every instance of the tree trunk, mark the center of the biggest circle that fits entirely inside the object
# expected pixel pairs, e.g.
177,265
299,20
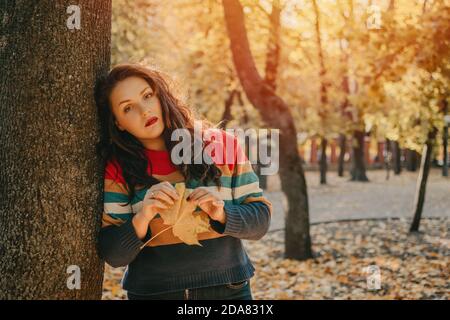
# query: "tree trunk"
275,114
345,85
396,157
323,95
445,147
323,161
422,181
226,116
445,140
411,160
358,170
388,157
272,61
262,178
342,149
51,179
273,47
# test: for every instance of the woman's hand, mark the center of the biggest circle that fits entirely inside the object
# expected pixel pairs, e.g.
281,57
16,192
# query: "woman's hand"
159,197
210,202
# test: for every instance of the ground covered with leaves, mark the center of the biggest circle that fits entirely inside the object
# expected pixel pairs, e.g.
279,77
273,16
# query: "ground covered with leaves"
412,266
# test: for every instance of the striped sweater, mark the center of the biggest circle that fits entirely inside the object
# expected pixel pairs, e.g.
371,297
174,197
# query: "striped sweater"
167,264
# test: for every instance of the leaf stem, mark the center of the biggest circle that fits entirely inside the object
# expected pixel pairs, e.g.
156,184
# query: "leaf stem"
156,235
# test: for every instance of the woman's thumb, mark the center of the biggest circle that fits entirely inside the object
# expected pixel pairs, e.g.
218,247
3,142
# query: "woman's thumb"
218,203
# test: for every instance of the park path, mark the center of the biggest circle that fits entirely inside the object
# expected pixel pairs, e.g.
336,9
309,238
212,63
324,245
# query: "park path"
342,199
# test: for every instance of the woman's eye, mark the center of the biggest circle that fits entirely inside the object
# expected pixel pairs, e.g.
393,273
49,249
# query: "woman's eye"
126,109
148,95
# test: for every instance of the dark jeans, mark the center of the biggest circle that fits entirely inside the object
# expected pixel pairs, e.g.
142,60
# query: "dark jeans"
231,291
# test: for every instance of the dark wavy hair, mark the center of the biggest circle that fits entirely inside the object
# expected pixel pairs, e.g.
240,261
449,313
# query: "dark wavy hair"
129,151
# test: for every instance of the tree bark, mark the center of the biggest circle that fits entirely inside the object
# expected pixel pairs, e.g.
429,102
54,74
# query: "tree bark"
358,170
422,181
50,176
276,114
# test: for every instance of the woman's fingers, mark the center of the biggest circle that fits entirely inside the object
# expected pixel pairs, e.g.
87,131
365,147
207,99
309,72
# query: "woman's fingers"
167,188
170,191
166,192
197,193
205,198
159,204
162,195
208,202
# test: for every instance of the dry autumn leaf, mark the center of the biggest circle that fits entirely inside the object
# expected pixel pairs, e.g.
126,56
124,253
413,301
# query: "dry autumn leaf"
181,218
170,216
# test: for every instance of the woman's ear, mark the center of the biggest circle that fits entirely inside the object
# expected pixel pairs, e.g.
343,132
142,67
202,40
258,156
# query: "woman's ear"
118,125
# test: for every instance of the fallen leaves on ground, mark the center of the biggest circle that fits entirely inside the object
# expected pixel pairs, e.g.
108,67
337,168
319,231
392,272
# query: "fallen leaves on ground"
412,266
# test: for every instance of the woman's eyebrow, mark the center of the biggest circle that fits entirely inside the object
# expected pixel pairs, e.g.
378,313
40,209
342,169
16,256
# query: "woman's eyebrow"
127,100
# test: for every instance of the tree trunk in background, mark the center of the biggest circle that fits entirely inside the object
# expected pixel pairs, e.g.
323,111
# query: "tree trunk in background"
388,157
342,149
422,181
276,114
271,67
345,83
323,161
396,157
51,179
411,160
445,140
323,95
226,116
259,166
445,151
273,47
358,170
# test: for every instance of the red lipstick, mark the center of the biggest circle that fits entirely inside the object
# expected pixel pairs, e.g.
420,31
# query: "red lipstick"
151,121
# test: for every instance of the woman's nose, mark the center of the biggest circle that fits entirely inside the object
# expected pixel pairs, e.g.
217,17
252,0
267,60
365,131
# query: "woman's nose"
145,111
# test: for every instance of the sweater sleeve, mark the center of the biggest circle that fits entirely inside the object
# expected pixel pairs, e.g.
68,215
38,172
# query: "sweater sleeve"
249,214
118,243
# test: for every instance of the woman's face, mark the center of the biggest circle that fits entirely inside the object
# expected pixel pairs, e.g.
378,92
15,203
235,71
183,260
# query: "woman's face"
137,110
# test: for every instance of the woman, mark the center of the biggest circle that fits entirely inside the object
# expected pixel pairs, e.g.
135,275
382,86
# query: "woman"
139,114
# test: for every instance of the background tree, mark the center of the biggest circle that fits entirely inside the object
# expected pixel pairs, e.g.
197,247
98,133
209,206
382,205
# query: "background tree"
276,114
323,94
